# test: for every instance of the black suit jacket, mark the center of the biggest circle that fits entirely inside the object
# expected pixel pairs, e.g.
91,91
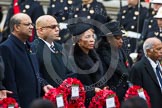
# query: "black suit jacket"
21,72
142,74
51,64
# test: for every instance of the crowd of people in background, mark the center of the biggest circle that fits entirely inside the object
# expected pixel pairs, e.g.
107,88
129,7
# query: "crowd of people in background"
36,54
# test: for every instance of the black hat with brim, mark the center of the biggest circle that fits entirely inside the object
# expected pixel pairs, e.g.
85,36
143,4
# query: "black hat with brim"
78,28
111,28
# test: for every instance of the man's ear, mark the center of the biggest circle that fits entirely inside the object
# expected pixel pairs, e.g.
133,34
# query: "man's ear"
149,51
16,27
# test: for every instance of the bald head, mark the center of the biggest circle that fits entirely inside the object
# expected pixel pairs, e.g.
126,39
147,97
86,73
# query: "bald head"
44,21
47,28
149,43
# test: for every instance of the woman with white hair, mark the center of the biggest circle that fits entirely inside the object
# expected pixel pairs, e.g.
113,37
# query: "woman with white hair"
88,65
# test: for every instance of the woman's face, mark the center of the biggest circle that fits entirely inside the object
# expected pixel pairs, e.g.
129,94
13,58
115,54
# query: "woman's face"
87,41
116,41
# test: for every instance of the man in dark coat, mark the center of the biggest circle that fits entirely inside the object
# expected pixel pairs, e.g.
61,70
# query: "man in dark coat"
147,72
49,52
30,7
22,73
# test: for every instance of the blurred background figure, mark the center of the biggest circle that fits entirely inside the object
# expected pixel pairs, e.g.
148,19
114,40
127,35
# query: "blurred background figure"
63,9
156,31
92,9
150,23
134,102
42,103
30,7
131,17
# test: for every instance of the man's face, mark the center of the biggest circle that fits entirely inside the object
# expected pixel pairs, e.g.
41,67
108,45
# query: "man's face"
25,27
51,30
155,53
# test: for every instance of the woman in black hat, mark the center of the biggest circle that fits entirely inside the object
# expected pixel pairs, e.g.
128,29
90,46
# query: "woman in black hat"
114,58
88,64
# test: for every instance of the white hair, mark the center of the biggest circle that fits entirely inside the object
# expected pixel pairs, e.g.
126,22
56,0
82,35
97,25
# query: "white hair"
148,44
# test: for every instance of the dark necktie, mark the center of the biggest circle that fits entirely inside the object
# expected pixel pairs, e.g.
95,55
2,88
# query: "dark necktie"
53,48
158,72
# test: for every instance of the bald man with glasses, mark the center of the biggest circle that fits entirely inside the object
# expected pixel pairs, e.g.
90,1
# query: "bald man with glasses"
48,51
22,75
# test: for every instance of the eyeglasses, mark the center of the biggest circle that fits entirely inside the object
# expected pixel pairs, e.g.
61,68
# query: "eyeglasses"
51,26
27,24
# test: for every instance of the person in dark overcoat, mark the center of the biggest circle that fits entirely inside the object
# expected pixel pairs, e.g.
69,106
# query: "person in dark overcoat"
156,30
150,25
117,78
22,75
94,11
30,7
3,92
147,72
48,51
132,18
63,9
87,64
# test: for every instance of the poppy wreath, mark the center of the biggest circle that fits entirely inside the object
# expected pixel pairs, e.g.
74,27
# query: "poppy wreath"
99,100
8,102
134,91
66,87
52,94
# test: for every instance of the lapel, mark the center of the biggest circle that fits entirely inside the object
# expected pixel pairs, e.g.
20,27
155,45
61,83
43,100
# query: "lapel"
150,70
32,57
